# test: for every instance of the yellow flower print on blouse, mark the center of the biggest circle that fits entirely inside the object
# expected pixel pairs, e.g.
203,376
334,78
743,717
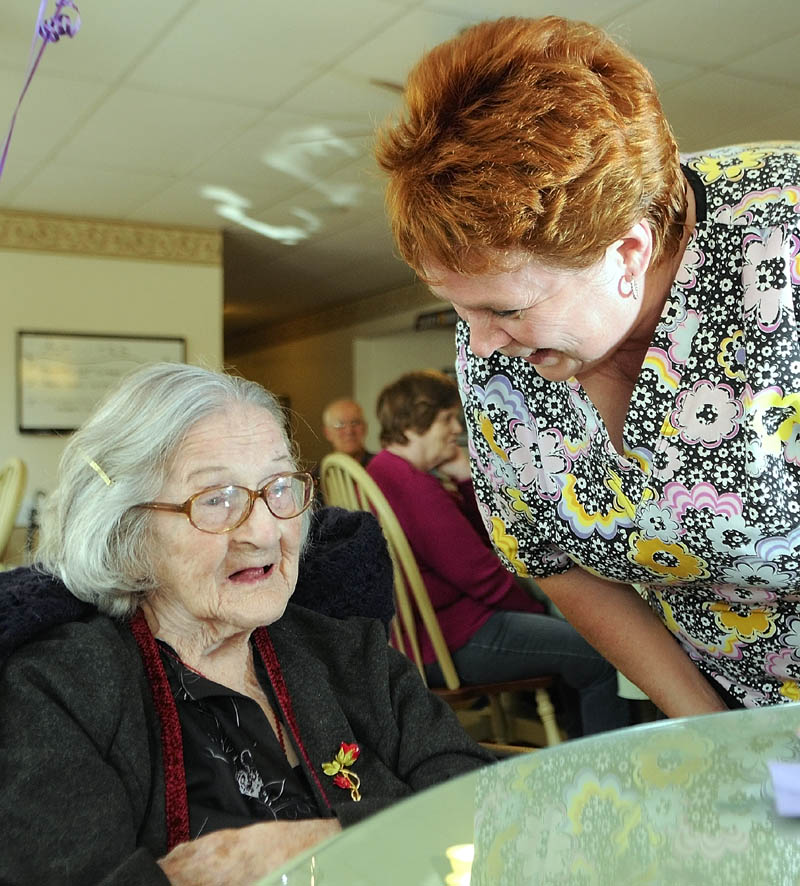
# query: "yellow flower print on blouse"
747,625
671,760
731,355
790,689
621,510
518,503
487,429
729,644
640,458
773,439
788,194
796,267
668,561
731,166
507,545
668,429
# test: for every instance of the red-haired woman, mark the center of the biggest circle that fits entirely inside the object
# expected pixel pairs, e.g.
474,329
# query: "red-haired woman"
628,356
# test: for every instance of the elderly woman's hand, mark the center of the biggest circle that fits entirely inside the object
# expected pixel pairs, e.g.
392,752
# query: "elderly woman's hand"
457,468
240,856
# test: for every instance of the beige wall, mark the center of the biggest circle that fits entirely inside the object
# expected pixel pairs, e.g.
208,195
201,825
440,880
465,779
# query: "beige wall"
315,369
81,293
310,372
379,360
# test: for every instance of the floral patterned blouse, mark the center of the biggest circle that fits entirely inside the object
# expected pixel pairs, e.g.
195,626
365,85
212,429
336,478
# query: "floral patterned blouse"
236,771
702,510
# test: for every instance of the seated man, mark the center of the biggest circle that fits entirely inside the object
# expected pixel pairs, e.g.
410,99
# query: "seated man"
345,429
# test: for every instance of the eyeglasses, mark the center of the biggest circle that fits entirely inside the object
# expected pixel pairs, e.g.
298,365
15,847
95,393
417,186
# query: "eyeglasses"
221,509
341,425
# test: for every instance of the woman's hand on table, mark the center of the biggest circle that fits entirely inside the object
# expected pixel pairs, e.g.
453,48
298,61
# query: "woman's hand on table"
239,856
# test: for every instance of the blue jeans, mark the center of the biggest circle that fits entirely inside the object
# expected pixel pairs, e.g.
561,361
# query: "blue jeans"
516,645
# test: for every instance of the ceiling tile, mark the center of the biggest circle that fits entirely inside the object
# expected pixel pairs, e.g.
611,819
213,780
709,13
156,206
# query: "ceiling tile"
781,127
284,153
702,109
289,223
284,227
771,63
111,37
17,170
275,230
50,110
370,182
72,190
257,52
391,54
712,33
357,185
668,73
155,132
178,203
344,94
587,10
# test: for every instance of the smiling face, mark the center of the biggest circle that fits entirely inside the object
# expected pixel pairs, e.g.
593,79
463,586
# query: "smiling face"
217,586
437,445
562,322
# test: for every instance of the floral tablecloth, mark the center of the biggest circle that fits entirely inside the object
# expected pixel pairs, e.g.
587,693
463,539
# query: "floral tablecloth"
674,802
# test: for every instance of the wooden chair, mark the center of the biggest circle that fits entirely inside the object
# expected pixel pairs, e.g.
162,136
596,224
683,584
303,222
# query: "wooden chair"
347,485
13,475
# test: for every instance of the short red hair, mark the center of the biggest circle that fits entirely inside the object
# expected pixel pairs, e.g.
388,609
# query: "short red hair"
539,136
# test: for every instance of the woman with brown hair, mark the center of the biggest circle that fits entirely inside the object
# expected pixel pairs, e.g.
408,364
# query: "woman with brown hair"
628,354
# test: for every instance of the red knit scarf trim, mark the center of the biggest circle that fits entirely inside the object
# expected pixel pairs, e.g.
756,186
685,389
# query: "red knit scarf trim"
177,803
264,645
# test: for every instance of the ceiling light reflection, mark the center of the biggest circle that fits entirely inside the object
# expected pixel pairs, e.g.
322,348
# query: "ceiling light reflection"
232,206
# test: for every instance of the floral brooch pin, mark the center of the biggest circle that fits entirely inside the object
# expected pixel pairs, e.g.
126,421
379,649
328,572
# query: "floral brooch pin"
339,769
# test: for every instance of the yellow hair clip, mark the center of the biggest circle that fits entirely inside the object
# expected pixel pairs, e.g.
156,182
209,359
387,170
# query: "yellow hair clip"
100,472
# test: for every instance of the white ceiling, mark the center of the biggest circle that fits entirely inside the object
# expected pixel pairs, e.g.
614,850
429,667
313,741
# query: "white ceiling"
257,116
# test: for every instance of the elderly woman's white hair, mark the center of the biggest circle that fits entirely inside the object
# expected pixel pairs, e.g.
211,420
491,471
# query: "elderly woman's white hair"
91,537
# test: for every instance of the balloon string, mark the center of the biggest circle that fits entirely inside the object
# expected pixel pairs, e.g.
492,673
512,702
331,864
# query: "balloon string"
50,30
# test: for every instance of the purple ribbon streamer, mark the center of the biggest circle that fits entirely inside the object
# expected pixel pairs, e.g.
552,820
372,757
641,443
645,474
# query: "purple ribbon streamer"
51,30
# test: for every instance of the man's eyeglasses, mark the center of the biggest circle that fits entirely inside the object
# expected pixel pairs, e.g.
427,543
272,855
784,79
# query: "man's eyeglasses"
220,509
341,425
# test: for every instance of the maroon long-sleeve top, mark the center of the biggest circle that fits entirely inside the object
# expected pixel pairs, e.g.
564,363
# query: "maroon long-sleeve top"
464,578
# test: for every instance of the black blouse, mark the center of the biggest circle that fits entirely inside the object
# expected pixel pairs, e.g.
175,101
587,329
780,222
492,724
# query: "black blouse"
236,770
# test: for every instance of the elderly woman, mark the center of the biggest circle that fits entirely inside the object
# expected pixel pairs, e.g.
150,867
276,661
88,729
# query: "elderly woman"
628,352
495,629
186,724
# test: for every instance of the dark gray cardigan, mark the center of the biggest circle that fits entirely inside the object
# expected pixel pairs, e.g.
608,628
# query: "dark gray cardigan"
81,768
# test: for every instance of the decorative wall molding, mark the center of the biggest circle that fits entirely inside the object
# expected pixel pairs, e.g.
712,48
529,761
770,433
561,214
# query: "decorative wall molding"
339,316
109,239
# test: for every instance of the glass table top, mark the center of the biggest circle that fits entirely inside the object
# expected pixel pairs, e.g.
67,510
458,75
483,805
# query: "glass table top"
672,802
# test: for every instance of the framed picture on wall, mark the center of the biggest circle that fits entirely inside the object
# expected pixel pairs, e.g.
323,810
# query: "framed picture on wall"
62,376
